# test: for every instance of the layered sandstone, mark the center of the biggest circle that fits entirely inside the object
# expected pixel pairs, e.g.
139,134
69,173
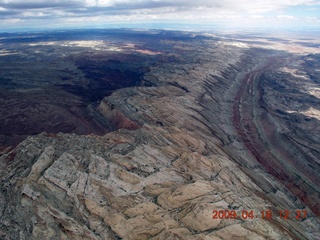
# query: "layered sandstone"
181,148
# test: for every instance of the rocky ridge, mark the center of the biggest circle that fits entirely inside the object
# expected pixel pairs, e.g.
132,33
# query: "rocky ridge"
174,158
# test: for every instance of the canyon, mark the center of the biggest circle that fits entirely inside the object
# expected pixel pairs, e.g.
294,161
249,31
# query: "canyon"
145,134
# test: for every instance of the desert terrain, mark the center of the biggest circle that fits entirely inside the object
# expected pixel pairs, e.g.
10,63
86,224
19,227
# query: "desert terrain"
151,134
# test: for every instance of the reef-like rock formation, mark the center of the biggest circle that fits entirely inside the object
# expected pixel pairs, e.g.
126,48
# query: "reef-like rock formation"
191,144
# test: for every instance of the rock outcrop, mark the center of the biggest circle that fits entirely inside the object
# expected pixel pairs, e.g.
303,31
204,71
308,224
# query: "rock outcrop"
177,156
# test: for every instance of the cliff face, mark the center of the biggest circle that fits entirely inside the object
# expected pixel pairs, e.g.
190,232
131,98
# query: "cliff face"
185,147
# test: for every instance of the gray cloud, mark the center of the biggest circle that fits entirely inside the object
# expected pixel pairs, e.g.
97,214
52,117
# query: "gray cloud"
127,10
8,13
80,8
103,6
160,4
143,4
38,4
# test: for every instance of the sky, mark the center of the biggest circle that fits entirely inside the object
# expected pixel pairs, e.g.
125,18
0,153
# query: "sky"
228,14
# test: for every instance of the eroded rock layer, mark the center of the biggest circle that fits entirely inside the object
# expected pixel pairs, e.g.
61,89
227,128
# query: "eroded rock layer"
210,133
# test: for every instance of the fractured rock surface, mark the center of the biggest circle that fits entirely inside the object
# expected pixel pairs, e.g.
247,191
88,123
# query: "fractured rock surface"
175,157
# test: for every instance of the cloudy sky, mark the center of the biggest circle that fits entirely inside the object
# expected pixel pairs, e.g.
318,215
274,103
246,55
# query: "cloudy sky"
39,14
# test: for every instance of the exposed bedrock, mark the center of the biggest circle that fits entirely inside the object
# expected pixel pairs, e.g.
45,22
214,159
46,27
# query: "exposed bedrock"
183,148
58,91
280,142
